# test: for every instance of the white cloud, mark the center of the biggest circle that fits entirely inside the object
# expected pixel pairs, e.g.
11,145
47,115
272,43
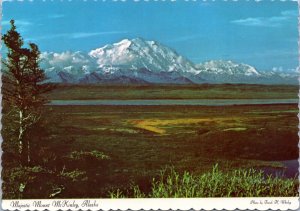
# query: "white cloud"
61,59
274,21
275,69
286,71
74,61
76,35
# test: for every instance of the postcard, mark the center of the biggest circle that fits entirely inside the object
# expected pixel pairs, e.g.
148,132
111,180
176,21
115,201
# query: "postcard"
130,105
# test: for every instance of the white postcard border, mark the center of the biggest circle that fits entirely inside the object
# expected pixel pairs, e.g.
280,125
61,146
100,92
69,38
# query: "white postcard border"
259,203
249,203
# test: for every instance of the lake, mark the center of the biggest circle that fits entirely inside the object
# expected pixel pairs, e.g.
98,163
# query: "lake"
154,102
289,170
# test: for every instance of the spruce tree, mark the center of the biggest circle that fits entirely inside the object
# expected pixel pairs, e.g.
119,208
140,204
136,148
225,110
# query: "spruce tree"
23,88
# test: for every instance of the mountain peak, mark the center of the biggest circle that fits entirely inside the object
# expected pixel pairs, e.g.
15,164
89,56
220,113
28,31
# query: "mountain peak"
227,67
138,39
139,53
138,60
126,43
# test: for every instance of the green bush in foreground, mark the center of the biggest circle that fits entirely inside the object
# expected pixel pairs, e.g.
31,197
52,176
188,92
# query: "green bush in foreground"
237,183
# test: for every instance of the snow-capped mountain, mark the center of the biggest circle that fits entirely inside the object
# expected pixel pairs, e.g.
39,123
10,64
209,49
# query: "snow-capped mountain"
133,60
137,53
141,61
68,66
227,67
227,72
219,71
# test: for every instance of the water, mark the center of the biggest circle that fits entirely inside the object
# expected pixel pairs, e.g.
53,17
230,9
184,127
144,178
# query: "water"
203,102
289,170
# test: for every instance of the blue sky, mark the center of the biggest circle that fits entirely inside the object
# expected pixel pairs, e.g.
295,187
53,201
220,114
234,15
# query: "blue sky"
263,34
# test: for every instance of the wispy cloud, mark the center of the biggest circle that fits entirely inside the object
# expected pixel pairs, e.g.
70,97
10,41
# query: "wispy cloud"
56,16
274,21
260,21
92,34
184,38
22,25
271,54
19,23
76,35
26,23
290,13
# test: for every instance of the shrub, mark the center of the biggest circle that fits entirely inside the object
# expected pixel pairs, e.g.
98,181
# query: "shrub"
17,178
75,155
75,175
237,183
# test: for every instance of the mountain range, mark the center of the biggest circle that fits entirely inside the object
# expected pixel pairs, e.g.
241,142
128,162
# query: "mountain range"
138,61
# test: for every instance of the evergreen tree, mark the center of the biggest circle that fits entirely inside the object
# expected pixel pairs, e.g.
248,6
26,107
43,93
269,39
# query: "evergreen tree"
23,87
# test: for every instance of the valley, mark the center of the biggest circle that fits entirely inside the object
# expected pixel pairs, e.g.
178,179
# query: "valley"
140,140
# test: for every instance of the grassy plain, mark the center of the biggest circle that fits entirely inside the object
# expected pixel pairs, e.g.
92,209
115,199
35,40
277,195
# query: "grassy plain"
141,140
100,149
204,91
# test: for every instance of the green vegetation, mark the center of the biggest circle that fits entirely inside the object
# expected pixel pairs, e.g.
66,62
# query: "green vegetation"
100,151
236,183
110,148
83,155
204,91
75,175
22,90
